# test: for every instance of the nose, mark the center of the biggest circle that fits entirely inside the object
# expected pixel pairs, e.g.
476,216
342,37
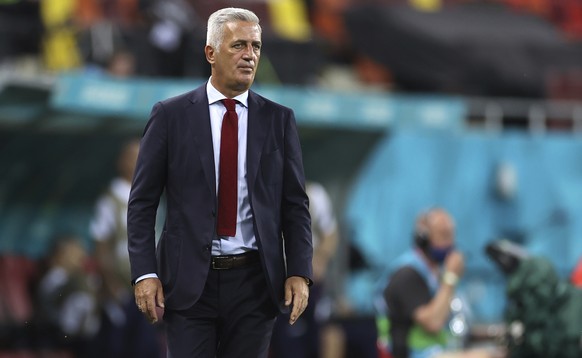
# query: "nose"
248,52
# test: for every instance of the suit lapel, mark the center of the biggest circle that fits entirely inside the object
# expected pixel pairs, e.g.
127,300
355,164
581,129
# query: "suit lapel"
257,131
199,124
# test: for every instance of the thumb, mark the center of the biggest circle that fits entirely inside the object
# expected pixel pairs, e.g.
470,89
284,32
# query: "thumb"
160,297
288,295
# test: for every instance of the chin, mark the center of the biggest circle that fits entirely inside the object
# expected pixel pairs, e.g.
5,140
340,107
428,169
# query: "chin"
245,83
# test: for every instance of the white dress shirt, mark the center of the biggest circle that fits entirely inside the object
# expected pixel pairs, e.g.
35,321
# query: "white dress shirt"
244,239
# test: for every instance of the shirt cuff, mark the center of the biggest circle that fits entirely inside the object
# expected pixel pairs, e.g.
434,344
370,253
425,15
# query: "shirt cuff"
143,277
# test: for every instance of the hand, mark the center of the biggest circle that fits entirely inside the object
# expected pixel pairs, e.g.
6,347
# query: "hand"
148,295
296,295
455,263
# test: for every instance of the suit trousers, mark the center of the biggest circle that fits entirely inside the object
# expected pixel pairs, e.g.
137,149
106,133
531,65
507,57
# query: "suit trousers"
233,318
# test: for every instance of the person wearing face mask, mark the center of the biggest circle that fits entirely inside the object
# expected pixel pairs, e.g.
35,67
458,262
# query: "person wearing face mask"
420,289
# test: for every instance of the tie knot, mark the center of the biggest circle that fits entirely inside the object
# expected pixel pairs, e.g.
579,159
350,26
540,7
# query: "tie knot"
229,104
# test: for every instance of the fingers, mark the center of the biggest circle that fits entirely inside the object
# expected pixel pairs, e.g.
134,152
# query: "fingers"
160,298
148,293
147,307
299,297
299,306
454,262
149,310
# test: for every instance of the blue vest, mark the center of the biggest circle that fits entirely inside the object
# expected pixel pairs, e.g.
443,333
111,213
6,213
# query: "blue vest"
421,343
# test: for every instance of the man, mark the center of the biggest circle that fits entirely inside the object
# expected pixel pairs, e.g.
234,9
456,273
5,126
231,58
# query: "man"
67,314
108,226
221,274
303,339
421,288
124,331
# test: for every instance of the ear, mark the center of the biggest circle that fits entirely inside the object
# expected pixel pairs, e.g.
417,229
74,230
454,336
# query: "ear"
209,52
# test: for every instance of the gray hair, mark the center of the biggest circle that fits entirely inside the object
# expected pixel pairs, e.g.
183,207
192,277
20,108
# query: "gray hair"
216,22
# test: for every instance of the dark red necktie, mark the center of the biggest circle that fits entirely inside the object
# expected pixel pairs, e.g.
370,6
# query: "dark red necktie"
228,171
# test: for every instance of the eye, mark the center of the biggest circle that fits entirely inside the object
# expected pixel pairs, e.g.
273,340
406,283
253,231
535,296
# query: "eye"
257,47
237,46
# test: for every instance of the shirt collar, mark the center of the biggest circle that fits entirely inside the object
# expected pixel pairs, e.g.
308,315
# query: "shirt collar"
214,95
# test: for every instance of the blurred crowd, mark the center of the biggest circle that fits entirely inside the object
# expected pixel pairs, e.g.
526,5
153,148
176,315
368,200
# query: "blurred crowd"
76,301
164,38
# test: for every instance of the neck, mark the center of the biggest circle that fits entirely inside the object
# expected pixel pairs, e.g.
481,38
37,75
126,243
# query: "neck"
227,92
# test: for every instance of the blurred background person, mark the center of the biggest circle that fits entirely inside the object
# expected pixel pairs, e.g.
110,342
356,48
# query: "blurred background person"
106,27
125,332
577,274
67,314
303,338
122,64
60,49
421,288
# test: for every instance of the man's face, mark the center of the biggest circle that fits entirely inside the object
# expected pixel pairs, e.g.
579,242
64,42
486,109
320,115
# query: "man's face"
442,230
235,63
72,256
442,235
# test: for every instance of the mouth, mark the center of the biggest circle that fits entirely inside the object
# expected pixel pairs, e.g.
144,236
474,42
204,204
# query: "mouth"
246,68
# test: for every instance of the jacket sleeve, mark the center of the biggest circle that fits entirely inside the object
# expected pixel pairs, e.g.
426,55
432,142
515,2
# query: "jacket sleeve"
148,184
295,220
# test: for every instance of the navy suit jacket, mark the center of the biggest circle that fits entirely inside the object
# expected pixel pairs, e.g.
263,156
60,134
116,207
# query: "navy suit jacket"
176,155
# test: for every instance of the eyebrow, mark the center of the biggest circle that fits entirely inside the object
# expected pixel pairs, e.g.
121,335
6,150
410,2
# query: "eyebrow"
246,41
